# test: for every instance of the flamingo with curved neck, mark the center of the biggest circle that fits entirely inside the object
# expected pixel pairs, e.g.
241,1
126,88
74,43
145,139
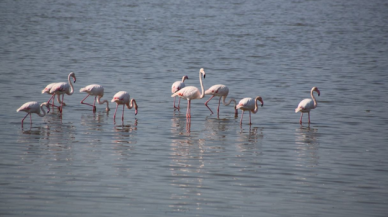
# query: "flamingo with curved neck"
306,105
176,86
33,107
189,93
222,91
63,88
123,98
249,104
97,91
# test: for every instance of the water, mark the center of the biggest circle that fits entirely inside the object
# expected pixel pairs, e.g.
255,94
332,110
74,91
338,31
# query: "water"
158,164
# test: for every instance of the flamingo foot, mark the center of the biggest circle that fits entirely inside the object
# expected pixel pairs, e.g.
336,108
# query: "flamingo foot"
94,109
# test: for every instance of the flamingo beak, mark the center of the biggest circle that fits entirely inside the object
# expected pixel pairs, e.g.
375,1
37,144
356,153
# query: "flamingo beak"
262,103
74,79
319,93
135,111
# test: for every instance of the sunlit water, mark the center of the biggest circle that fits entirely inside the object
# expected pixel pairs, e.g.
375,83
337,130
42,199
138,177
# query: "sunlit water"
158,164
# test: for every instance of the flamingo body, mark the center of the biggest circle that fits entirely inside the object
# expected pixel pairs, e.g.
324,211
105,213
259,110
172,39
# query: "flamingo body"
123,98
33,107
222,91
189,93
249,104
176,86
47,90
97,91
306,105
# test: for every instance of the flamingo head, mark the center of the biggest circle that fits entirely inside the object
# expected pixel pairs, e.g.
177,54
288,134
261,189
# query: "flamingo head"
72,74
47,106
261,100
202,71
316,90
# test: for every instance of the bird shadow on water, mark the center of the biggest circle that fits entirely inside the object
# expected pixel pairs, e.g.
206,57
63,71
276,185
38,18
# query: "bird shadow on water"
307,141
124,132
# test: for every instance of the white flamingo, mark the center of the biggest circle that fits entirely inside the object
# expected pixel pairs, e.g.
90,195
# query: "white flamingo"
47,90
97,91
176,86
191,92
249,104
307,104
221,91
63,88
33,107
123,98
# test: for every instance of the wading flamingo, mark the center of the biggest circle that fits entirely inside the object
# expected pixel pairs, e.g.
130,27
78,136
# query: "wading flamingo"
33,107
249,104
97,91
307,104
122,98
63,88
47,90
221,91
176,86
191,92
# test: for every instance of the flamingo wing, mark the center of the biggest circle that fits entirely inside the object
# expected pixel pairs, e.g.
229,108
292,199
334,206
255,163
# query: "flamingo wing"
29,107
305,105
190,92
246,104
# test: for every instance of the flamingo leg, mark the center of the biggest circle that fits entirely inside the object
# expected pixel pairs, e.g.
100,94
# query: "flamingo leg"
25,118
242,114
174,102
48,102
122,115
188,115
63,96
250,122
309,116
218,109
300,120
207,103
114,116
179,102
94,104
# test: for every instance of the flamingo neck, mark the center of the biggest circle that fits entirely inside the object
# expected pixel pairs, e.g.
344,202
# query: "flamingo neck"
41,108
183,79
133,103
71,86
256,107
230,100
200,81
312,96
105,101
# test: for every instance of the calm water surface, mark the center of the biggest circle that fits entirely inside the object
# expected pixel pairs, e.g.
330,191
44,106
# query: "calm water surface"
158,164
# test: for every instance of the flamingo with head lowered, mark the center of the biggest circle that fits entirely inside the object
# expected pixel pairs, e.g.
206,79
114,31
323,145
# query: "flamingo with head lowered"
33,107
249,104
123,98
189,93
97,91
221,91
63,88
176,86
307,104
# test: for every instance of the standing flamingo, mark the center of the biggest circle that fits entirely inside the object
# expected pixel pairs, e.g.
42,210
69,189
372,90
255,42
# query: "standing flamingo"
249,104
63,88
191,92
221,91
307,104
176,86
33,107
122,98
97,91
47,90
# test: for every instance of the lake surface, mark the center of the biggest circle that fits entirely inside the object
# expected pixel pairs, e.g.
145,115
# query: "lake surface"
157,163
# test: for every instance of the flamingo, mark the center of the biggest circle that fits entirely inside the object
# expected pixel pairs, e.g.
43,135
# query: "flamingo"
47,90
221,91
191,92
122,98
249,104
97,91
176,86
63,88
33,107
307,104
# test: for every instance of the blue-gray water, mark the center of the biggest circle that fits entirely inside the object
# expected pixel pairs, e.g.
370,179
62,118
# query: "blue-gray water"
154,164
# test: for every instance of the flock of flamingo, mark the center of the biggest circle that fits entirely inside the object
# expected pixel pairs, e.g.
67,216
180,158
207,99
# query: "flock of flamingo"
178,89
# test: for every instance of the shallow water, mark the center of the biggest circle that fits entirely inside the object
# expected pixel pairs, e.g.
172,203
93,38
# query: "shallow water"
157,163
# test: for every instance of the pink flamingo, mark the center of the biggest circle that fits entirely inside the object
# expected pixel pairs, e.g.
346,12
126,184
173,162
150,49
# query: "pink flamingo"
33,107
176,86
122,98
63,88
249,104
97,91
191,92
307,104
47,90
221,91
